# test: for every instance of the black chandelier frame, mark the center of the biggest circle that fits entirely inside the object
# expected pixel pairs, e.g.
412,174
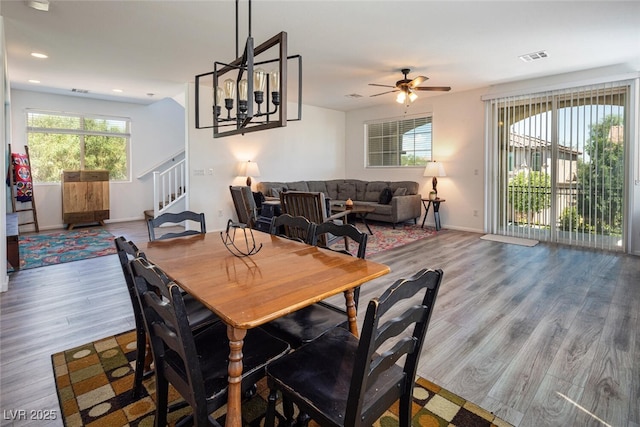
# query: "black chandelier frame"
247,117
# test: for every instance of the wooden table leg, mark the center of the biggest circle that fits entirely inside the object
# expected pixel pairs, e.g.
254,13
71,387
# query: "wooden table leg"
351,311
234,409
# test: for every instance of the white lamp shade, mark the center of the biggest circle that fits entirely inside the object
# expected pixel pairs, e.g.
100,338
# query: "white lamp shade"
434,169
252,169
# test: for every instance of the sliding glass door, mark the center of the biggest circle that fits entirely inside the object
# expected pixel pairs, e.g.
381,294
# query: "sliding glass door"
559,165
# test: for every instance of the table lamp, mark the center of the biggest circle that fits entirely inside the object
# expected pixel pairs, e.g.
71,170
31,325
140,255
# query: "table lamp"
435,170
251,169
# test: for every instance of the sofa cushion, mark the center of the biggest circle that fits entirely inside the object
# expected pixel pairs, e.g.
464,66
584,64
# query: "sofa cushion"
374,188
298,186
318,186
411,186
346,190
385,196
332,188
400,191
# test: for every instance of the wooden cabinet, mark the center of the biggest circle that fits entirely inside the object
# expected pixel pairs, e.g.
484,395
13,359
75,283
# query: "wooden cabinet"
85,197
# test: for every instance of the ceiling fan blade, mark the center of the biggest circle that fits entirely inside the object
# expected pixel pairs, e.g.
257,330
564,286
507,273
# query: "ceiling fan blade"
434,88
384,93
375,84
415,82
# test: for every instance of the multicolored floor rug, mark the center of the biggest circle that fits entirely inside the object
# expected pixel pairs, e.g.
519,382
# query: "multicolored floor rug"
386,237
94,383
39,250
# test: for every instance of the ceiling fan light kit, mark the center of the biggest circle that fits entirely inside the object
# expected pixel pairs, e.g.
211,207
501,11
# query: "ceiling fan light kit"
407,88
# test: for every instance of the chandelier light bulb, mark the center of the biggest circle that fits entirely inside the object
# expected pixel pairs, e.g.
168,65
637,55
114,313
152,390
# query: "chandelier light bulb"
243,87
259,80
274,80
229,89
219,93
412,96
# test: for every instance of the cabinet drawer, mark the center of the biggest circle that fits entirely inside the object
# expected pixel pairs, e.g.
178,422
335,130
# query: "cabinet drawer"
78,217
94,175
100,215
71,176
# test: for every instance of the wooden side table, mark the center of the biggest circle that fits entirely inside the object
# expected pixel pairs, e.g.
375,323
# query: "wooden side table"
436,210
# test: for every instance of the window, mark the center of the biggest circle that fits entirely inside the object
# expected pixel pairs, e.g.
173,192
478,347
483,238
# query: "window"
399,142
61,141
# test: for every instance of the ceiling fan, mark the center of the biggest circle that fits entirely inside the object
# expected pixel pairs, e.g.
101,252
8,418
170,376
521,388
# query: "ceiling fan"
407,88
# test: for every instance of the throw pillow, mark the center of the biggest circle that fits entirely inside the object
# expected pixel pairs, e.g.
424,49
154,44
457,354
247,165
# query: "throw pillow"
400,191
385,196
275,191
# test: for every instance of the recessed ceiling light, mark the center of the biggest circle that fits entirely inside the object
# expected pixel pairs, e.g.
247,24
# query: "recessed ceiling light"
34,81
39,55
534,56
117,90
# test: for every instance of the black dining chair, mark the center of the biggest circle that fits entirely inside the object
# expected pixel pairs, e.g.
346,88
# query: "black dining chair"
194,363
340,380
308,323
293,227
176,218
199,316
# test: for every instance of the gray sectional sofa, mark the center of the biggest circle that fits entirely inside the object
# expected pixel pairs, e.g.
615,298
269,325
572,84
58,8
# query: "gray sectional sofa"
403,206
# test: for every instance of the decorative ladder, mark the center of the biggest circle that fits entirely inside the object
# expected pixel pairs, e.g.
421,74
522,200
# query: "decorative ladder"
12,184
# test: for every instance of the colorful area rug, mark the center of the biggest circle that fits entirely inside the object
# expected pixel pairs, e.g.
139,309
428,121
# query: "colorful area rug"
386,237
39,250
94,384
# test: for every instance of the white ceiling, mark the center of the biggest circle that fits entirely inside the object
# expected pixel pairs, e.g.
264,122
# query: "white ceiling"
154,47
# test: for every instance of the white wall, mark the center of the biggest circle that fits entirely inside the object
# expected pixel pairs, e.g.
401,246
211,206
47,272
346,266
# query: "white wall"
313,148
458,142
157,132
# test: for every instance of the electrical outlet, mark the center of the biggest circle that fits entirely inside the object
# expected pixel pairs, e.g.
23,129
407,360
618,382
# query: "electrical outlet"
475,212
220,213
210,172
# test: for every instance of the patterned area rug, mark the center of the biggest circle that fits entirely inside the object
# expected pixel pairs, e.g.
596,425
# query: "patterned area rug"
39,250
386,237
94,383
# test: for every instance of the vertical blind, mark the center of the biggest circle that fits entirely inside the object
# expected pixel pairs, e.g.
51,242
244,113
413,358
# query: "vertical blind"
559,164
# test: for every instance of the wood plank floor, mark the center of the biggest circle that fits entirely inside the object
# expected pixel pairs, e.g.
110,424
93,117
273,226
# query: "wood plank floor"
542,336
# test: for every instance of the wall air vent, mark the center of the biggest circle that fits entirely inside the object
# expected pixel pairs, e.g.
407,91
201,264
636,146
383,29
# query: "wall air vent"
79,90
534,56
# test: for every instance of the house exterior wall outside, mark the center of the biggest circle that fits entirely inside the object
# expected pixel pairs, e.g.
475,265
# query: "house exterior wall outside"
157,131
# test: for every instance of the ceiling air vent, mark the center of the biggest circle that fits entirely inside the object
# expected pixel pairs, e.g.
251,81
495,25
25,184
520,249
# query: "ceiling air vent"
79,90
534,56
354,95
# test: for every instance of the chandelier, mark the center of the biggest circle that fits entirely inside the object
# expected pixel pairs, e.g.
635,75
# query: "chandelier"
249,94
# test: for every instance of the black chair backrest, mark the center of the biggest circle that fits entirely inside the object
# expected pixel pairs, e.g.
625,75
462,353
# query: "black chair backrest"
127,252
169,331
176,218
342,230
372,363
295,228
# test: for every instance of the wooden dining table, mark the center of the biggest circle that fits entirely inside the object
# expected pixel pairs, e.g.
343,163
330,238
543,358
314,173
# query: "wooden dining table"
248,291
